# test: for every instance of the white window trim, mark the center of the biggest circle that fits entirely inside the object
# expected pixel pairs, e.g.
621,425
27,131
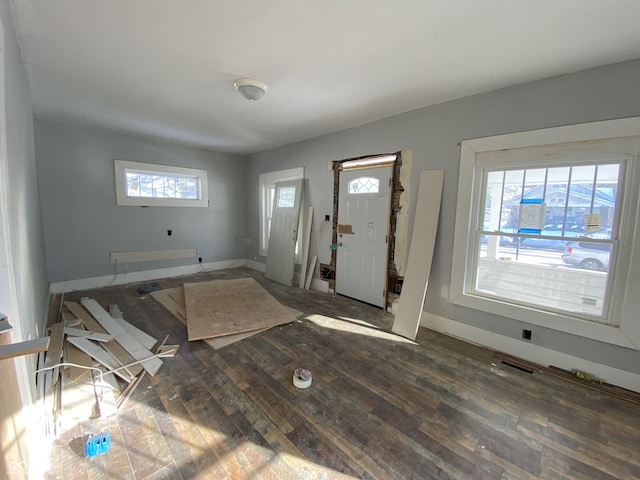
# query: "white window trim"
121,186
625,303
266,180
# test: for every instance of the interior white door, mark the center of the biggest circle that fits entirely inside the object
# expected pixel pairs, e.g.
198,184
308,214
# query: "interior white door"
284,231
363,220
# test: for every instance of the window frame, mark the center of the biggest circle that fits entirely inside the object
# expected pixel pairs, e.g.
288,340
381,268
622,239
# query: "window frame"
268,180
122,199
615,138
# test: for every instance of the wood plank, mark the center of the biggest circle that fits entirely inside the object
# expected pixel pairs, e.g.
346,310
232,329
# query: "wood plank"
24,348
423,239
219,342
100,355
168,350
54,352
78,402
124,397
130,344
146,340
312,267
55,307
114,348
224,307
70,320
178,295
106,398
77,356
95,336
167,300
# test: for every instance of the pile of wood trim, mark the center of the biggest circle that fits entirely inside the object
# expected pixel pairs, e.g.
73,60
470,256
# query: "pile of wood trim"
110,357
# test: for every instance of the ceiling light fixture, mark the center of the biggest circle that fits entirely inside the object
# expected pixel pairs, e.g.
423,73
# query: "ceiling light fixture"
250,89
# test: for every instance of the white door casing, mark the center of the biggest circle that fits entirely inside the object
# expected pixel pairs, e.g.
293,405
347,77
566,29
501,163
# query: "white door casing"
284,231
363,210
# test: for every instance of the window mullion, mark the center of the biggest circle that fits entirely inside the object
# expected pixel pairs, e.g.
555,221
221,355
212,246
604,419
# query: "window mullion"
566,199
593,189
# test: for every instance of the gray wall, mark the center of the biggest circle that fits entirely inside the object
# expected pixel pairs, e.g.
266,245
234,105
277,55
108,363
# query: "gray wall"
22,210
82,223
433,133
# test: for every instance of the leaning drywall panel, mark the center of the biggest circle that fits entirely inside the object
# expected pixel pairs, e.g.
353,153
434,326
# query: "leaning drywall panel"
423,241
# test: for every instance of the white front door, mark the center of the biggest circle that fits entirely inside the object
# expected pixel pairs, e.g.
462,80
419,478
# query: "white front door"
363,221
284,231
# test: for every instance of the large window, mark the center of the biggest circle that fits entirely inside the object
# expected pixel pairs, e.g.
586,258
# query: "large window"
548,236
544,231
267,183
145,184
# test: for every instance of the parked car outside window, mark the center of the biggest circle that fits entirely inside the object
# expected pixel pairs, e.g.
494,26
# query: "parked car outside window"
588,255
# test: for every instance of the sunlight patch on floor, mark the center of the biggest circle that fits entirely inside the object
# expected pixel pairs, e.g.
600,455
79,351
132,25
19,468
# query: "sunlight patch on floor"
359,322
350,327
306,469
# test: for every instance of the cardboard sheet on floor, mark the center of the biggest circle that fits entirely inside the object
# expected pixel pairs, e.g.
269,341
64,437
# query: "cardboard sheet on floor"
173,300
224,307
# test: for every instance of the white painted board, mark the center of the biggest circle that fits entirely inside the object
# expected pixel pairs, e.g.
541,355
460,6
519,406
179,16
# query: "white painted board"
423,239
312,267
144,338
130,344
100,355
77,332
306,240
152,255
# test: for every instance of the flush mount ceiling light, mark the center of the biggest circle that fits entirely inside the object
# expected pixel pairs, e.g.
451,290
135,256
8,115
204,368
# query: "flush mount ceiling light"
250,89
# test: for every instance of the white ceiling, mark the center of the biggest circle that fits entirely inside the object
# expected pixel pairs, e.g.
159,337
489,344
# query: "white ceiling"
165,68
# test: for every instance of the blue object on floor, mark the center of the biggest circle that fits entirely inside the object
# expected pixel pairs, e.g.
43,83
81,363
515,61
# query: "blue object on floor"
97,444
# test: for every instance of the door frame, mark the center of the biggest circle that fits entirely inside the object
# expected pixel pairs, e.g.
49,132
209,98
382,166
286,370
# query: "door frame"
395,161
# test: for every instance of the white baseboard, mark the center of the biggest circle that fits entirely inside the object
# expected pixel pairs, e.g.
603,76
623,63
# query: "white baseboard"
320,285
132,277
526,351
259,266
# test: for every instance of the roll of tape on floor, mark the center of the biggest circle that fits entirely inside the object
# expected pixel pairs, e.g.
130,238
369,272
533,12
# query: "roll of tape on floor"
302,378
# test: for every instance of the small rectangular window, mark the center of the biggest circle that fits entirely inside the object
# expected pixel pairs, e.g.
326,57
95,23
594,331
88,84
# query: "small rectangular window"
146,184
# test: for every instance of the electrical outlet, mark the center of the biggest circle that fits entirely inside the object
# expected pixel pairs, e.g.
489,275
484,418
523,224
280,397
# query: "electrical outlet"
199,259
169,232
327,218
526,334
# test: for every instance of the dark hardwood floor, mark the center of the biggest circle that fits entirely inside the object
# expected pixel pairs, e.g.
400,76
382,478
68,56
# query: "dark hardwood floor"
379,407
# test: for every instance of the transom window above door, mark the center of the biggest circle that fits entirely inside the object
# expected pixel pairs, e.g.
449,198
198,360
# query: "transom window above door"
364,185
